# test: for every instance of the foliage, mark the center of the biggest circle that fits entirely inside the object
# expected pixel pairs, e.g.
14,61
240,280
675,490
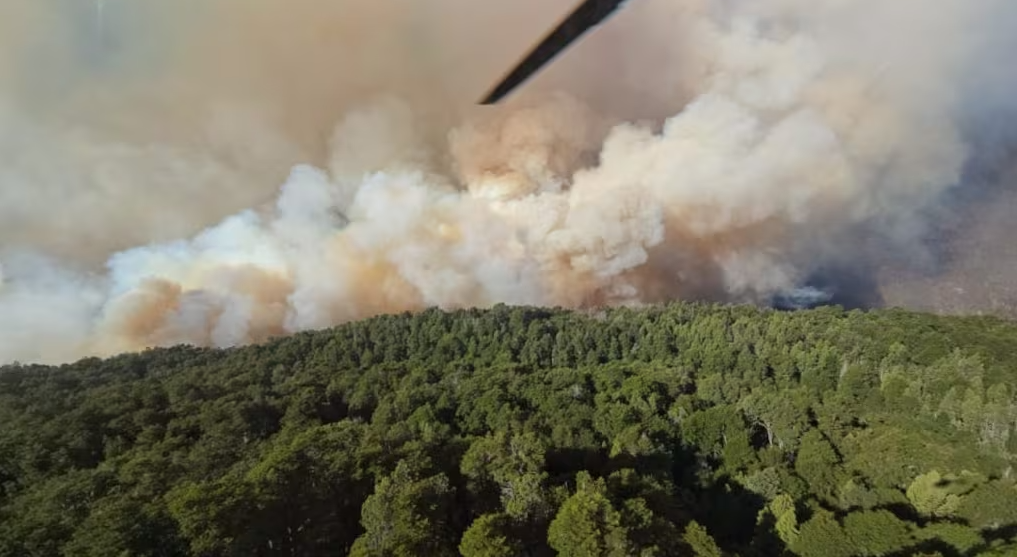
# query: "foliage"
686,429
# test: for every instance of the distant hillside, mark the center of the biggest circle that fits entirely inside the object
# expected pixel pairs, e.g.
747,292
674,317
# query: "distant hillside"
689,429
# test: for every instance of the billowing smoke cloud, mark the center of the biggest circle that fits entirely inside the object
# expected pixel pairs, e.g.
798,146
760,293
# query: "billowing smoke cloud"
700,149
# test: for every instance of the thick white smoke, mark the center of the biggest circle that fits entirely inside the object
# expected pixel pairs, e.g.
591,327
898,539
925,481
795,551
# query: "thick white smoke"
792,125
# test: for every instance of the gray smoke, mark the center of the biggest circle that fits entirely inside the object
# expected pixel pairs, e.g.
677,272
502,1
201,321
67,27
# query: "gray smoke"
728,150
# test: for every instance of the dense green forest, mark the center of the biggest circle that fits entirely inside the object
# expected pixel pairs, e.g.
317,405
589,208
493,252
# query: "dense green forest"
689,429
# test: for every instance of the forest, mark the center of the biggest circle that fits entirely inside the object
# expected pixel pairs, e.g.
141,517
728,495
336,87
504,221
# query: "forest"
683,429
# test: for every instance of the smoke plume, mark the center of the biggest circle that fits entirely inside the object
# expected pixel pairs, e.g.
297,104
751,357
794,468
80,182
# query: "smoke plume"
689,149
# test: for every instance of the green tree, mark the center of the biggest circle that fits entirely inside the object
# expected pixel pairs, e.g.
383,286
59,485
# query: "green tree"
822,536
588,524
514,464
991,505
782,415
962,538
818,464
406,516
490,536
443,432
931,495
123,526
700,541
216,517
876,532
786,520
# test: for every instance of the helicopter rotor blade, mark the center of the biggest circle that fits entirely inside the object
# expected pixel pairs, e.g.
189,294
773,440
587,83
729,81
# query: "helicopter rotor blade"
588,15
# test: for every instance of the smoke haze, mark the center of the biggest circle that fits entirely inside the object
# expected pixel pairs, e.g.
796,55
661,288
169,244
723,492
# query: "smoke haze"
217,172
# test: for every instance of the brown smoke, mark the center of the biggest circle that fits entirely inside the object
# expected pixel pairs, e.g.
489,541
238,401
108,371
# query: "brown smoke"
687,149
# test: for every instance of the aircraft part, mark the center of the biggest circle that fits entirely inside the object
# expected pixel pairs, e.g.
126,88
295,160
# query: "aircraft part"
588,15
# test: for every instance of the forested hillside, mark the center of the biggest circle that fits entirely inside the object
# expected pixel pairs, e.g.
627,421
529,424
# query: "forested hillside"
681,430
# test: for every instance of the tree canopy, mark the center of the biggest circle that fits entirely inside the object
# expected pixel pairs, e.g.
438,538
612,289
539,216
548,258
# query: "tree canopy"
686,429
